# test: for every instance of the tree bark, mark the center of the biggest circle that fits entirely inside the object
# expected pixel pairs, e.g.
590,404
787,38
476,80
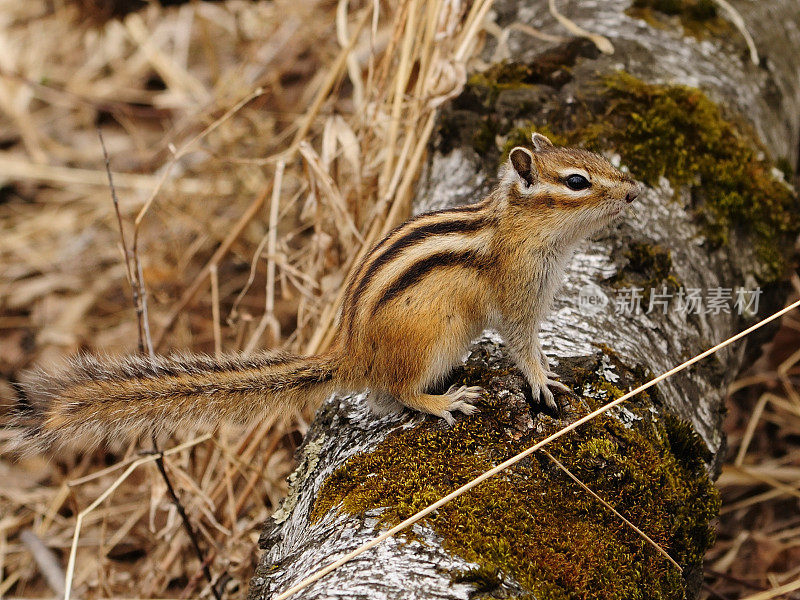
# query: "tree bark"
339,496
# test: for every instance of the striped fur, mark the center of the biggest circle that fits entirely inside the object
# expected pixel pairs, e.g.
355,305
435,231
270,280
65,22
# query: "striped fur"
410,311
91,398
427,267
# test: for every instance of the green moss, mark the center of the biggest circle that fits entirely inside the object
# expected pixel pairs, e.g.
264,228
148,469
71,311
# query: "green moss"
652,260
500,93
494,82
678,133
483,139
532,524
552,67
485,580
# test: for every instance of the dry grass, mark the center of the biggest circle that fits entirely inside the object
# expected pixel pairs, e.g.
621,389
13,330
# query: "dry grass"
257,148
758,547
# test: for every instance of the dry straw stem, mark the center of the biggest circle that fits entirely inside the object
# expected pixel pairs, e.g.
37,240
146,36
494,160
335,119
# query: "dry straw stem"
515,459
775,592
603,44
177,155
758,531
736,18
302,130
15,169
762,498
200,279
215,311
755,419
268,319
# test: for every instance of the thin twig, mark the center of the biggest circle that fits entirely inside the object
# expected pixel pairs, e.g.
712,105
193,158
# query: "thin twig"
125,251
185,520
135,276
141,309
139,294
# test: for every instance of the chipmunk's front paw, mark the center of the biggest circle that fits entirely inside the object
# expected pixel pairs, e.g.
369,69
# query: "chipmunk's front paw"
464,392
443,405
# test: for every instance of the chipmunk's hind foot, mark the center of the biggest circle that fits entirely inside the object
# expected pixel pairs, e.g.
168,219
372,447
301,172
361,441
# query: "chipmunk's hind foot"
462,396
456,399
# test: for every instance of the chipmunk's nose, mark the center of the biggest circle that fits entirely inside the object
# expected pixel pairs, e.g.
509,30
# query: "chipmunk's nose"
633,194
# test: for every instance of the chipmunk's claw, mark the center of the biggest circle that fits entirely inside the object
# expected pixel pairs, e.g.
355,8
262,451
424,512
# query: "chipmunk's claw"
543,392
558,385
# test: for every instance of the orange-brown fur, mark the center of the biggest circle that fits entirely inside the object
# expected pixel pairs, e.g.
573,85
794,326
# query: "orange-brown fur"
410,311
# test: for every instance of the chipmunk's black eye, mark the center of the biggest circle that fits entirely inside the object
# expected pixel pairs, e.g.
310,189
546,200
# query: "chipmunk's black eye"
577,182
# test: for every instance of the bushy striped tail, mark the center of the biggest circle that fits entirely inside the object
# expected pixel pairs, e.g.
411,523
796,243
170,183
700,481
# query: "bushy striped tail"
91,399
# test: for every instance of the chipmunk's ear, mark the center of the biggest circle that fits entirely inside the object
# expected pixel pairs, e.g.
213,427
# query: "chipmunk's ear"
540,142
522,161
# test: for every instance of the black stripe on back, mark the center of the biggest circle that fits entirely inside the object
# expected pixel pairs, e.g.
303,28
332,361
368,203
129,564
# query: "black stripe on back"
468,259
410,239
467,208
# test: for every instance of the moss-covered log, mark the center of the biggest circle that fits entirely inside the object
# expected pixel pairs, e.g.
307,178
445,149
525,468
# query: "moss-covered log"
714,138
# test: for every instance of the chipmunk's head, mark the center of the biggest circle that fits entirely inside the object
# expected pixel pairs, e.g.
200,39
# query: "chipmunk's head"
576,191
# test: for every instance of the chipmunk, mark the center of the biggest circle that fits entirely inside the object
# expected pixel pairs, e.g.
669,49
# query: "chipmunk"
410,311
